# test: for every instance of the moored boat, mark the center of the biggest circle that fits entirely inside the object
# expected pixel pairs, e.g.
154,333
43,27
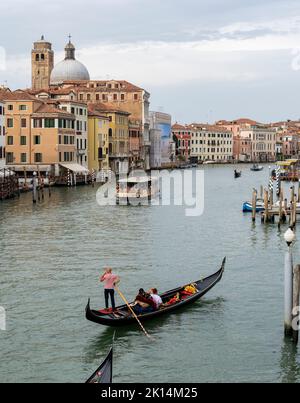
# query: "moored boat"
247,206
121,317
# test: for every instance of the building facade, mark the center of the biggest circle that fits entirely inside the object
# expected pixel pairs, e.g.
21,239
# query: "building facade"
242,149
119,155
211,143
39,136
80,111
127,97
263,139
161,122
42,63
182,139
2,133
98,141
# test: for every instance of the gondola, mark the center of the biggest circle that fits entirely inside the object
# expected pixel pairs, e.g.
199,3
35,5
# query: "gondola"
237,174
121,317
104,372
256,168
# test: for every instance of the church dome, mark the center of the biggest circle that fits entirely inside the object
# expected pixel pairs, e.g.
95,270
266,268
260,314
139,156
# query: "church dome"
69,69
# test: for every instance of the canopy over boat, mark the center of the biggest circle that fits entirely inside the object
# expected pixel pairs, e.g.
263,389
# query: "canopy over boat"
122,317
287,163
104,373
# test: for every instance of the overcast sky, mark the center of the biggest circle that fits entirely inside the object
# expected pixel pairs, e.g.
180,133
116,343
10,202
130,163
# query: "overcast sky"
201,60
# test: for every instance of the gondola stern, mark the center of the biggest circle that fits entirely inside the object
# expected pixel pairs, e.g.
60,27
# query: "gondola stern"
223,264
88,307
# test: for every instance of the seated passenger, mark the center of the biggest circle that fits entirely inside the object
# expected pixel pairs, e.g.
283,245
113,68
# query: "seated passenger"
156,298
143,303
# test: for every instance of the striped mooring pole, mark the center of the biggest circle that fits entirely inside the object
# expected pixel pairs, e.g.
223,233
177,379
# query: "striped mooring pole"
278,182
69,178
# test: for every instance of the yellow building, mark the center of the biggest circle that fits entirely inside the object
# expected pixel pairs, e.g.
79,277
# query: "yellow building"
118,131
39,136
98,143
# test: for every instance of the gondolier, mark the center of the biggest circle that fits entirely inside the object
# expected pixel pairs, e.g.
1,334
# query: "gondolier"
110,280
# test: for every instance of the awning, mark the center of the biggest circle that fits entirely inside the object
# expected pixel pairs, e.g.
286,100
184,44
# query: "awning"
6,172
76,168
287,163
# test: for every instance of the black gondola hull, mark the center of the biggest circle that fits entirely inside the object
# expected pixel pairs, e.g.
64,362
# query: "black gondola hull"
204,286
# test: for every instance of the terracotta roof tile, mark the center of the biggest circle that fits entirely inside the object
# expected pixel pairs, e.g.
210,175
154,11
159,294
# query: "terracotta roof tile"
20,95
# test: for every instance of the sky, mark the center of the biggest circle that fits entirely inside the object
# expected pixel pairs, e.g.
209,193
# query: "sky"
201,60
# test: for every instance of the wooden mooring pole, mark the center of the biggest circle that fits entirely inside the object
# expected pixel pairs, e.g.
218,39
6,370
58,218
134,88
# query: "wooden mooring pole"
289,237
288,292
254,200
296,303
34,188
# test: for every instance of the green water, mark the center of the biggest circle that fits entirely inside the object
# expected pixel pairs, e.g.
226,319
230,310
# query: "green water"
53,253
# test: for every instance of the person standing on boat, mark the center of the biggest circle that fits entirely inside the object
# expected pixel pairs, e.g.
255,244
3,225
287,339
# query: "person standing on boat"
110,280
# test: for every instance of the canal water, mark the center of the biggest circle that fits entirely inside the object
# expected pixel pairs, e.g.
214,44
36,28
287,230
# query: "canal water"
51,258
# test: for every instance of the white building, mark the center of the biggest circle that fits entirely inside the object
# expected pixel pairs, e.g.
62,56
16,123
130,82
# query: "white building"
2,135
161,139
79,109
210,143
264,140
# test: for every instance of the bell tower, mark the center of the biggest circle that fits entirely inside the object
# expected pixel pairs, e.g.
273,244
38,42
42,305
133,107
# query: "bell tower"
42,63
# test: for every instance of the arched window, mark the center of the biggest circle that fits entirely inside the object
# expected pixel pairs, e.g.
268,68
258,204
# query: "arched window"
37,57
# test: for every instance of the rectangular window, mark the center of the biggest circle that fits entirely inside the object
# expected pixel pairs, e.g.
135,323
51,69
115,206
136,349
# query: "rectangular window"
9,158
10,107
115,97
23,123
22,108
36,140
38,123
38,157
122,97
136,97
23,140
10,122
10,140
23,158
49,123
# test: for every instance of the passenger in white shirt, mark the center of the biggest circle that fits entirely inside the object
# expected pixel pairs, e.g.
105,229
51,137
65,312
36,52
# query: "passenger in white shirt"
155,297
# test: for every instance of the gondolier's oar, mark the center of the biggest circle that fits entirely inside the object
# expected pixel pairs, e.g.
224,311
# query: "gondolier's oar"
133,313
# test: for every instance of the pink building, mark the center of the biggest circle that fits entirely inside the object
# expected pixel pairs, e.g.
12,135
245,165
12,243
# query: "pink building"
242,148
